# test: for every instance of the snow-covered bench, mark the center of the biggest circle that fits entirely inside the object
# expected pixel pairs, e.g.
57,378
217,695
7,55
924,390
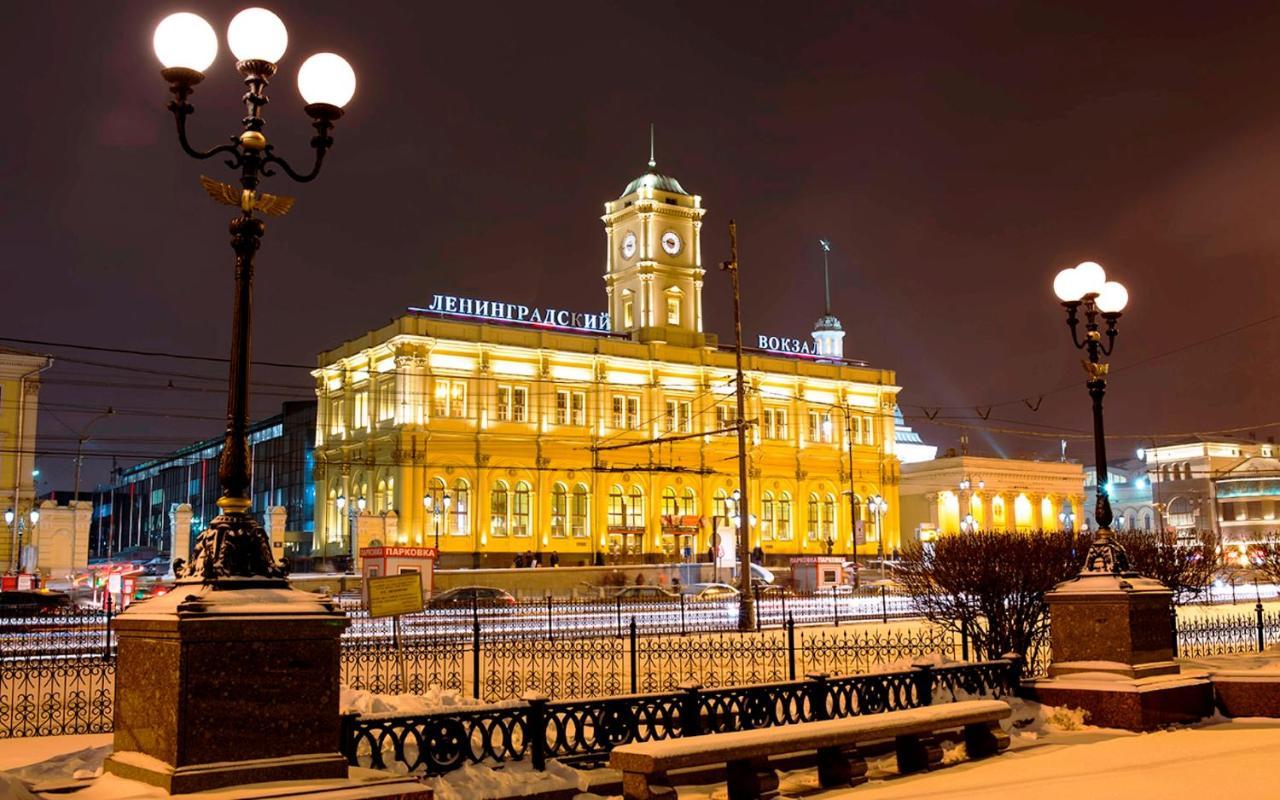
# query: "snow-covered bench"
645,765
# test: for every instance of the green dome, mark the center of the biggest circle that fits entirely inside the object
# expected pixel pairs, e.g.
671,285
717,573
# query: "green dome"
655,180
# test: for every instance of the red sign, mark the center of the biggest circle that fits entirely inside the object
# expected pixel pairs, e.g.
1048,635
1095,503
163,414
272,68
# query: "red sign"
684,523
399,552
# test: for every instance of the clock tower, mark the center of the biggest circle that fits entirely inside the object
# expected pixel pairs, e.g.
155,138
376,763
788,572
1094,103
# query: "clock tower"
653,260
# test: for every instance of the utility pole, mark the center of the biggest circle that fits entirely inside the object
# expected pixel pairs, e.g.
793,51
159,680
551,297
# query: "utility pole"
746,601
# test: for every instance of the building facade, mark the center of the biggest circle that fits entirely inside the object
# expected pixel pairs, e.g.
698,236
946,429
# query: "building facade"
495,429
1230,486
19,404
135,513
966,493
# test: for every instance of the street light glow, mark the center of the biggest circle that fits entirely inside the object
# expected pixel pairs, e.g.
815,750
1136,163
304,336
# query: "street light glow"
327,78
185,40
256,34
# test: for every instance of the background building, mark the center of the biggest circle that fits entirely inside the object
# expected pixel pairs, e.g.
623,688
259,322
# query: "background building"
134,514
19,403
499,429
1132,496
979,493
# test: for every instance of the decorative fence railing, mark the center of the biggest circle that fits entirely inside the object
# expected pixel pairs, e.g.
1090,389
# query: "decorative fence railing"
584,731
506,669
552,618
1225,634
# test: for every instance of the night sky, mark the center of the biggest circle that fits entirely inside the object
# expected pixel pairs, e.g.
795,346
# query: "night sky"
957,154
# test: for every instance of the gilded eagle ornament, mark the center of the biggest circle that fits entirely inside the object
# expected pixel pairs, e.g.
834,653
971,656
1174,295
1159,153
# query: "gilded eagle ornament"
246,200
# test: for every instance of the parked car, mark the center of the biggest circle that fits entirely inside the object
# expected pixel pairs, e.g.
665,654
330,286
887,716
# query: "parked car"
467,596
30,603
645,593
710,591
156,566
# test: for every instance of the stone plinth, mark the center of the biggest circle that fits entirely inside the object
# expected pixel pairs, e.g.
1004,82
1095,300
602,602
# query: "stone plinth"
1247,693
1111,623
1135,704
219,686
1112,655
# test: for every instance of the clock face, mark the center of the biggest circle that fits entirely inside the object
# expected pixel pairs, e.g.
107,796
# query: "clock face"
629,245
671,243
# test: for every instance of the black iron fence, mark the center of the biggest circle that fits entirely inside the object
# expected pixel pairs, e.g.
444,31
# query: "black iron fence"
553,618
585,731
1199,636
497,669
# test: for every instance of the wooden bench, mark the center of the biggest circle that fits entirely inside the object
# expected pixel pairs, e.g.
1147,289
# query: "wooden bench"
645,765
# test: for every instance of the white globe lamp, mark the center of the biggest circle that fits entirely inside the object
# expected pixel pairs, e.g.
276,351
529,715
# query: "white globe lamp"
256,34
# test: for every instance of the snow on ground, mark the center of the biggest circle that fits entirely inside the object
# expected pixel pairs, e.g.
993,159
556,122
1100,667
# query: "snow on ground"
435,699
1055,755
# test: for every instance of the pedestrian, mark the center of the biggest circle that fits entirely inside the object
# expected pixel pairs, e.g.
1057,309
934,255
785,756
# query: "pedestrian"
599,559
555,559
518,561
640,579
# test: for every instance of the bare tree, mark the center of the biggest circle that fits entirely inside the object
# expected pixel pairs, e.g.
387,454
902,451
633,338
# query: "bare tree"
992,584
1187,569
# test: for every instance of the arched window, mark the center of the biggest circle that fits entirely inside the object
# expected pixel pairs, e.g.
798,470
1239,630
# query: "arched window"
389,496
784,517
829,517
721,504
559,510
689,502
460,509
617,518
812,523
635,508
521,511
579,512
670,505
767,522
500,509
379,498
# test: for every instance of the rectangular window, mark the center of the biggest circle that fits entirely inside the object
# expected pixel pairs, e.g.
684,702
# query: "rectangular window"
679,416
626,412
628,313
440,402
819,426
633,413
361,408
619,411
457,398
520,404
673,310
684,416
725,420
868,431
562,408
337,409
775,423
504,403
578,407
386,398
856,424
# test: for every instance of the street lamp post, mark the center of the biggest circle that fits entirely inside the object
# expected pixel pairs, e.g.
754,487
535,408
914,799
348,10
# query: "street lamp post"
1085,289
17,524
746,603
879,506
234,543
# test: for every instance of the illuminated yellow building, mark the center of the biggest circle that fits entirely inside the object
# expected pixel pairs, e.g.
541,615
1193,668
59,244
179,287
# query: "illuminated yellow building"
958,493
19,396
498,429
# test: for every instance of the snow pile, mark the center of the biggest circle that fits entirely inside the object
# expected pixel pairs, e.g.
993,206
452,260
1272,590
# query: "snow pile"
435,699
514,779
76,765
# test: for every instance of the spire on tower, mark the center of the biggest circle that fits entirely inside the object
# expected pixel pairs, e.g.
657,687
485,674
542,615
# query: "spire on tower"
652,162
826,275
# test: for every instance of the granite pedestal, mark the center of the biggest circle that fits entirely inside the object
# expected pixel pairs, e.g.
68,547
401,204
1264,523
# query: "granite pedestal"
1112,654
228,683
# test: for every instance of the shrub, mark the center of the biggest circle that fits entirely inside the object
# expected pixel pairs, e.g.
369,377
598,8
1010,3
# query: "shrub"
991,584
1187,569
